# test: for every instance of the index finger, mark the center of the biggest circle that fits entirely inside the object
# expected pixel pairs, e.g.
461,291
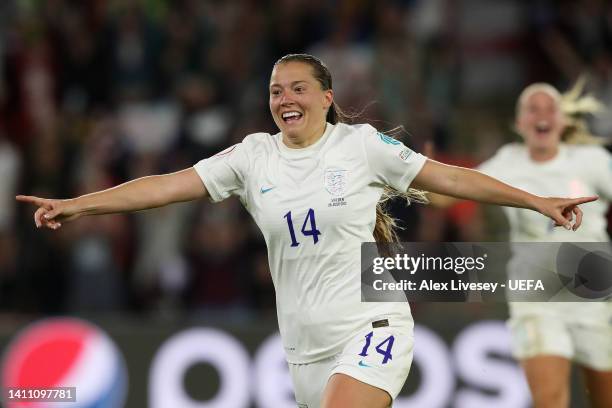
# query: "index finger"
31,199
582,200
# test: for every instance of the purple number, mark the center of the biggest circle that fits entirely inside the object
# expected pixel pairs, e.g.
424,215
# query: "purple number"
313,226
385,352
368,337
294,242
310,218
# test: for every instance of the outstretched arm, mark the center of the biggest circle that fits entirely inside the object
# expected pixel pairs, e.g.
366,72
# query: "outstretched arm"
140,194
470,184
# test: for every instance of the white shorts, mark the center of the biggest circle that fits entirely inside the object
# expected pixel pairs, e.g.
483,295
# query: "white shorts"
379,356
587,345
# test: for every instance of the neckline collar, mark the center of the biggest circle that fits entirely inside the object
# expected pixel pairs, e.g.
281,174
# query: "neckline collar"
304,151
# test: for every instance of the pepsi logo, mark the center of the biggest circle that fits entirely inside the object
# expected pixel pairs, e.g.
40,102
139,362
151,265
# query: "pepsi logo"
66,352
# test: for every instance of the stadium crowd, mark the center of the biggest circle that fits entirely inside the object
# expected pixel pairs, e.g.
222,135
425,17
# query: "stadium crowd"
95,93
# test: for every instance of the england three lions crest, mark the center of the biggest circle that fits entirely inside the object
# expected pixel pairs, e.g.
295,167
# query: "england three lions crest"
335,182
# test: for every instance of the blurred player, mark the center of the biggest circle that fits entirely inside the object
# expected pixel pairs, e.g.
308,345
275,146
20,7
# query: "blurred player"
314,189
557,159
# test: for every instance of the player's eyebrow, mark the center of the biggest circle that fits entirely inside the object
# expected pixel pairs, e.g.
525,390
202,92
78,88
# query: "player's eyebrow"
274,84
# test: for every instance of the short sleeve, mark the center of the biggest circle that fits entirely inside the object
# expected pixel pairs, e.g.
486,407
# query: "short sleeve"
390,161
224,174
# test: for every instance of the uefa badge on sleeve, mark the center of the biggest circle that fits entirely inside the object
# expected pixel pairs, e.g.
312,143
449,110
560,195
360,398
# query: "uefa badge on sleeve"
405,154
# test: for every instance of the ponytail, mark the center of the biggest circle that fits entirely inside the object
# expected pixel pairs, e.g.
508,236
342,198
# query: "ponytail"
575,106
386,226
336,115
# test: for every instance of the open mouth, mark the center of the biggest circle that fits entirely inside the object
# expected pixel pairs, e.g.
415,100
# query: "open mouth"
542,128
291,117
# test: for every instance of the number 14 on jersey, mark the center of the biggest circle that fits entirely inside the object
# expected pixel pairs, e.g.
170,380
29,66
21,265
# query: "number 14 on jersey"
309,222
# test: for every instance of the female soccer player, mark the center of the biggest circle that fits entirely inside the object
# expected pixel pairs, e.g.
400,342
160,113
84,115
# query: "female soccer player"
546,337
313,190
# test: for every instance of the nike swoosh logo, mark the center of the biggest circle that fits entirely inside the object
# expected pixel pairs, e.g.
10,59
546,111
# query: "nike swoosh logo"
265,190
362,364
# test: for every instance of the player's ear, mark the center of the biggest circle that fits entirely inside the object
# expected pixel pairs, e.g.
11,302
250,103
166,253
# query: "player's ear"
328,98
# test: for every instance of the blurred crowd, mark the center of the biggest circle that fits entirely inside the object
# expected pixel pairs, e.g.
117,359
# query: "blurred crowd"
98,92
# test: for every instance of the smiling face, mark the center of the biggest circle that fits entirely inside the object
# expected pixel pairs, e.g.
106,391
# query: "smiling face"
298,103
540,120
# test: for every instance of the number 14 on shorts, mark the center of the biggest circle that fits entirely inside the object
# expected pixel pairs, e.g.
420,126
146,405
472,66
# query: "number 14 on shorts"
380,348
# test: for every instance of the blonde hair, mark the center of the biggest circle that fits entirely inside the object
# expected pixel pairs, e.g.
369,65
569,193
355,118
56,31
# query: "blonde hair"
574,106
386,226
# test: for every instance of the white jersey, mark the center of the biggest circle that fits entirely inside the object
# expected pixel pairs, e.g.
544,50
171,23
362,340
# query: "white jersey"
315,207
577,170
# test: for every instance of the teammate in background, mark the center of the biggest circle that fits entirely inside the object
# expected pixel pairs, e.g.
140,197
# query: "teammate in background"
554,160
558,157
314,190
